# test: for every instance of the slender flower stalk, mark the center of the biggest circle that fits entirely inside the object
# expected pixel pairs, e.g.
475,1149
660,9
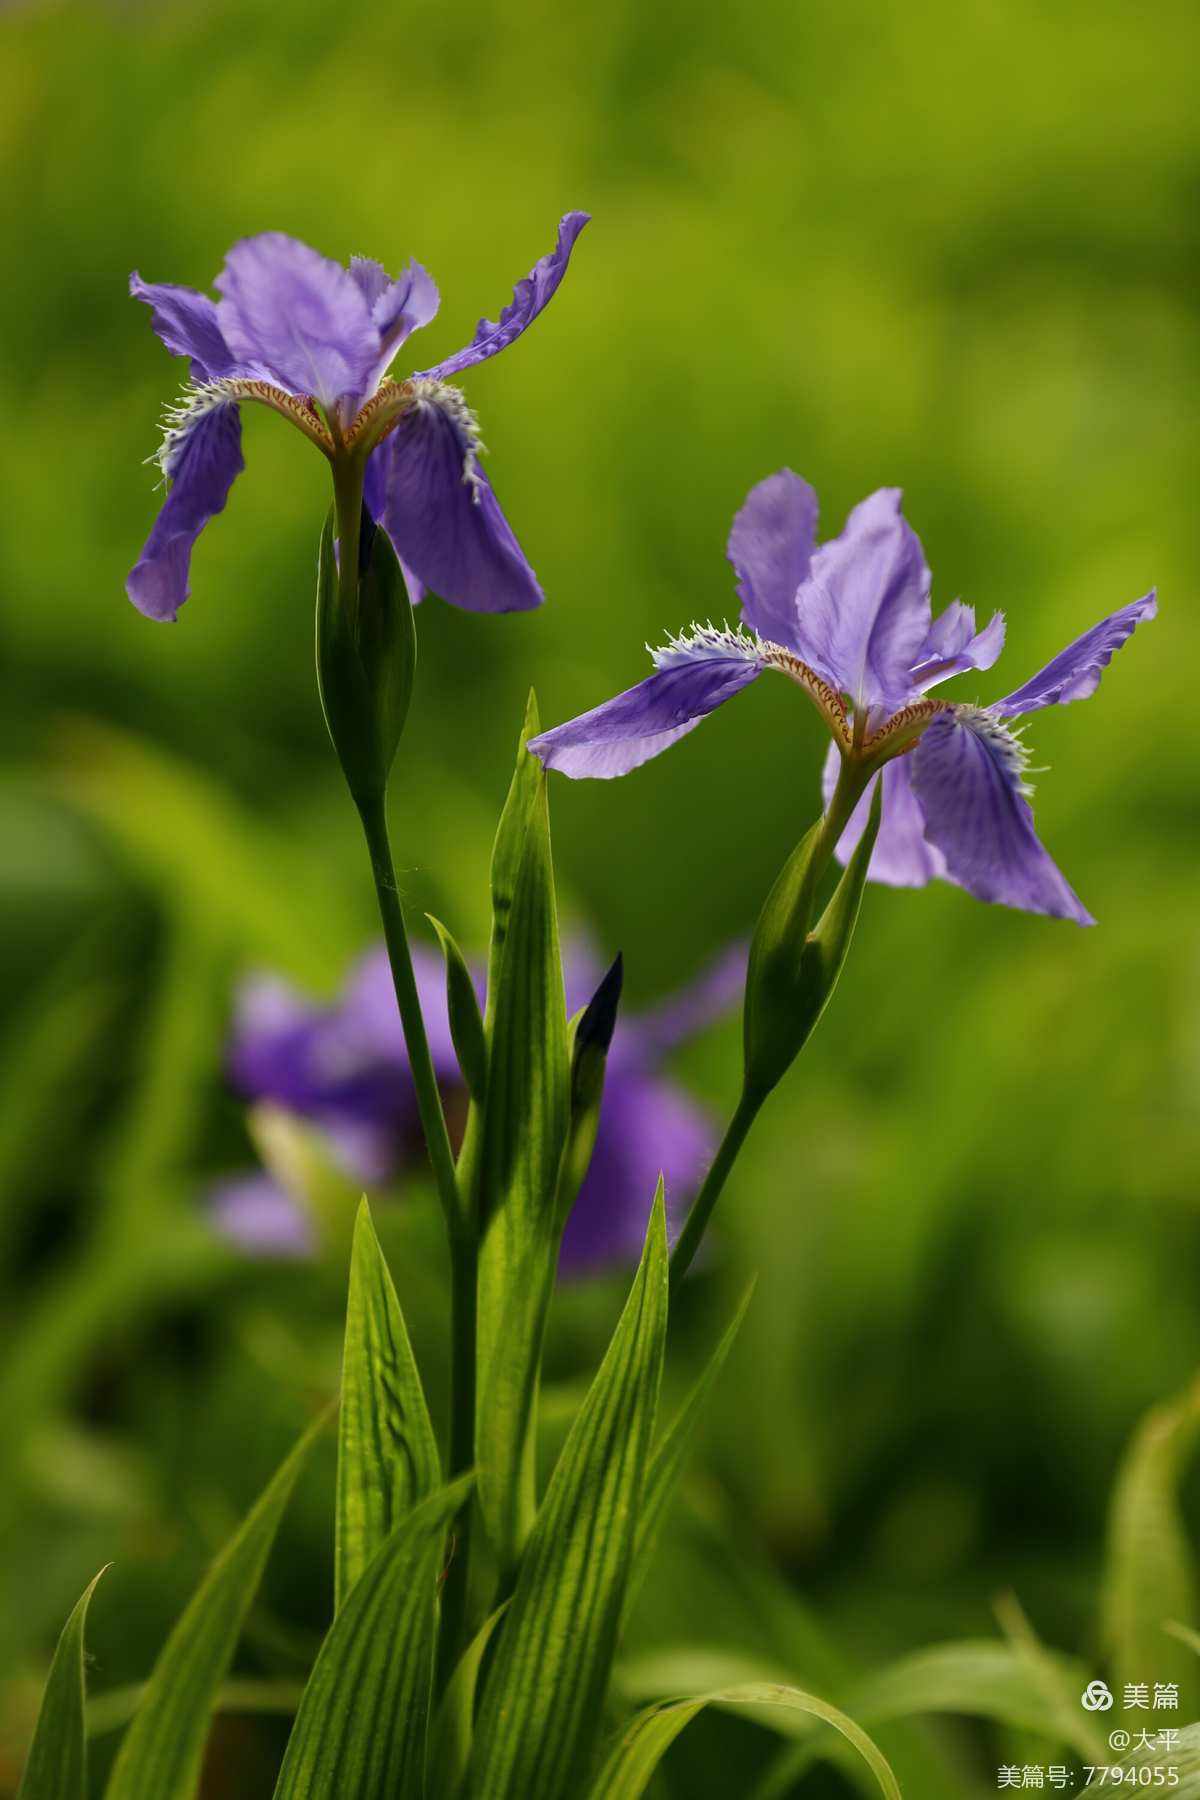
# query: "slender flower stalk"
696,1223
817,850
460,1231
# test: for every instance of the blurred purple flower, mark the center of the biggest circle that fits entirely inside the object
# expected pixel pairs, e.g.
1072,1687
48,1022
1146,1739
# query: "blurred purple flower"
257,1214
344,1068
850,621
313,340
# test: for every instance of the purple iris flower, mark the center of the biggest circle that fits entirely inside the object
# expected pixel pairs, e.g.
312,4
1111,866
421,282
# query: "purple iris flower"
314,341
850,622
344,1068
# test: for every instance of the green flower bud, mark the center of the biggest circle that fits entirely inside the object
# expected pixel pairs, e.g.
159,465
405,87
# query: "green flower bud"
366,658
466,1022
794,970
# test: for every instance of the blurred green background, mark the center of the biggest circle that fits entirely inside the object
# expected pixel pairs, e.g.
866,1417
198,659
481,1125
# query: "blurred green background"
943,246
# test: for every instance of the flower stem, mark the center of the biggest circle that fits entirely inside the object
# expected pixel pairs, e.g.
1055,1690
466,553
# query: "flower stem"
371,801
851,784
437,1138
696,1222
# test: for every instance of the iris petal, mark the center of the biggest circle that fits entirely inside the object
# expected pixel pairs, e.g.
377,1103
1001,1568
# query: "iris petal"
967,775
647,719
863,613
954,646
530,297
1074,674
288,309
186,322
258,1215
441,514
398,308
204,466
771,546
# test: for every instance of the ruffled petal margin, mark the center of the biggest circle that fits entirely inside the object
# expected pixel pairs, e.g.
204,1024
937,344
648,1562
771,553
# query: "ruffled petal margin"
436,504
186,322
954,646
204,466
1074,674
530,297
967,773
647,719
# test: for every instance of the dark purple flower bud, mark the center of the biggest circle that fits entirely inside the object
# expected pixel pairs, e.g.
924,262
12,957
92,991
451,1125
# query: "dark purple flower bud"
589,1056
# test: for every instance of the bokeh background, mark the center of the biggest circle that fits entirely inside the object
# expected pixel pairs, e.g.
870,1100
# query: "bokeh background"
951,247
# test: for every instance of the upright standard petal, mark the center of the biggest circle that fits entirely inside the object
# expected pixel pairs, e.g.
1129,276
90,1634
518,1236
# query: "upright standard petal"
1075,672
398,308
287,309
530,296
203,461
968,774
863,614
903,855
186,322
694,676
954,646
771,546
439,510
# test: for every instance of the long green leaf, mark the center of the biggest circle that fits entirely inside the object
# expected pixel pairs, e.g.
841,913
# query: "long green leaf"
466,1022
387,1452
454,1727
635,1757
542,1699
56,1767
163,1749
1150,1576
666,1463
523,1131
360,1731
509,849
981,1677
1058,1681
1184,1758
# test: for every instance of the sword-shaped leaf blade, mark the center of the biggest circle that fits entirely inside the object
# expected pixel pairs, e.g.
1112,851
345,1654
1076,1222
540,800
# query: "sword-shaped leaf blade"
361,1728
387,1452
522,1133
56,1767
163,1749
636,1755
543,1696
